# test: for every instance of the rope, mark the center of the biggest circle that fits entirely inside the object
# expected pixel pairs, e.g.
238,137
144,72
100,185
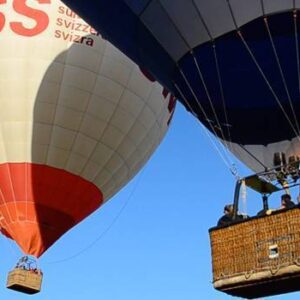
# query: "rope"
199,104
222,94
228,164
254,157
218,72
209,97
295,15
281,73
258,66
197,65
108,228
199,71
267,82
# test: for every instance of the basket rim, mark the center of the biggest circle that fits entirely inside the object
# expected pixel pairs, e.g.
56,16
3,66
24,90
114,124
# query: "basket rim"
250,219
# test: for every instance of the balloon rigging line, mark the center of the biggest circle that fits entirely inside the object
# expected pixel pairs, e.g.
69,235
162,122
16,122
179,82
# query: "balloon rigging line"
191,50
253,156
222,94
262,6
197,66
199,104
202,20
232,14
260,69
229,164
108,228
209,97
267,82
295,14
201,108
281,73
218,73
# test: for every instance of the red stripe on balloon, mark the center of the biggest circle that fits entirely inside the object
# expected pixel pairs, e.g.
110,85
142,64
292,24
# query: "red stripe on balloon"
38,204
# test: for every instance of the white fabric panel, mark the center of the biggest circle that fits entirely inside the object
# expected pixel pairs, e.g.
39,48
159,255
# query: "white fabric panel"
272,6
297,3
133,103
84,108
92,126
108,89
265,154
158,22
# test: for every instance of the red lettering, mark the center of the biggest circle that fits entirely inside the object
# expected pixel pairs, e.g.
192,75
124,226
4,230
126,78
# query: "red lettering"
59,22
65,36
61,10
85,28
68,24
57,34
2,17
41,18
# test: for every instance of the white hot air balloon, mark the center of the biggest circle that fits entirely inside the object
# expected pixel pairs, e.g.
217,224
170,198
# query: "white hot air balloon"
78,121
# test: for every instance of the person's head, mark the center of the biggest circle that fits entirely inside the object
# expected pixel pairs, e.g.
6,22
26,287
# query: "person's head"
228,209
285,198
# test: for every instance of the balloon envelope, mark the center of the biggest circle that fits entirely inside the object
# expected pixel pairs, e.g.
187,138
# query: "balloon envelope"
233,64
78,121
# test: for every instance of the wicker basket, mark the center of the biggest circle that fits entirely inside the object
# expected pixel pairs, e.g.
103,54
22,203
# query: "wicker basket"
25,281
258,257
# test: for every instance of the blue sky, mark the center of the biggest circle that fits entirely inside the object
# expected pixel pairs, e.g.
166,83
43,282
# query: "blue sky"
149,242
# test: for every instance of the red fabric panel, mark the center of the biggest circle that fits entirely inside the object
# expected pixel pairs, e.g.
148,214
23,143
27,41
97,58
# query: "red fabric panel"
38,204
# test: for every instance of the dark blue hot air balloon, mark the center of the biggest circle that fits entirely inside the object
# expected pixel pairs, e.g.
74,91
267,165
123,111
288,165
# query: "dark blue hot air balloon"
233,64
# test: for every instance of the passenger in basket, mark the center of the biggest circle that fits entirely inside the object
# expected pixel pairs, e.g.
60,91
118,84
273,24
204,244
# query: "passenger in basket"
227,218
286,202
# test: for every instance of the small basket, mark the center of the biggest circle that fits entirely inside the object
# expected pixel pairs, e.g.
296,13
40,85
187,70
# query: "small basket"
25,281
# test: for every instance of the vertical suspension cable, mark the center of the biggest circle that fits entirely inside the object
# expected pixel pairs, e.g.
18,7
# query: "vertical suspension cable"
254,157
295,16
196,62
197,100
208,97
259,67
218,73
227,125
267,82
281,72
222,156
